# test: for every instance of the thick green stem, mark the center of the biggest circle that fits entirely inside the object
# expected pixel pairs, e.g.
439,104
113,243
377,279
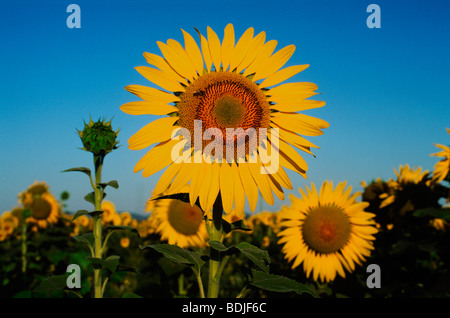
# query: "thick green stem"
97,225
214,262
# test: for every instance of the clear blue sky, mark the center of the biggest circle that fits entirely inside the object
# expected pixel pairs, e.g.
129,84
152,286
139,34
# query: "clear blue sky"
386,89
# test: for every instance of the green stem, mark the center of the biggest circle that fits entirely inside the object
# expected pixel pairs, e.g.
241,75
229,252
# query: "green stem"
24,247
97,225
200,284
214,261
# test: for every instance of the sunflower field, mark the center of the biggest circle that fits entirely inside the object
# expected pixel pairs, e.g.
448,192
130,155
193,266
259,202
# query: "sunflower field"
196,238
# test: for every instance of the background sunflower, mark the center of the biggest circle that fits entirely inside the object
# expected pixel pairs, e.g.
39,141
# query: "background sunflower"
327,231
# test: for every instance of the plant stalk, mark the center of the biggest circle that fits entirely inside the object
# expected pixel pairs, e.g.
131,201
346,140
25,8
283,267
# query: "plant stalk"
216,232
97,225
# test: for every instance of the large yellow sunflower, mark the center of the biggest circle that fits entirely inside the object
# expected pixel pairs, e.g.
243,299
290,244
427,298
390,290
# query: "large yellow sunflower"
442,167
222,94
44,207
327,231
179,223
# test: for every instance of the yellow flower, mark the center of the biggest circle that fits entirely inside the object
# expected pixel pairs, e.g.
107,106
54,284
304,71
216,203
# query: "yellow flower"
44,207
442,167
125,242
215,87
327,231
109,212
179,223
126,218
405,175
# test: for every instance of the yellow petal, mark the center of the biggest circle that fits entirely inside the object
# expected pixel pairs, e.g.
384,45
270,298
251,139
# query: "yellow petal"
167,177
206,185
177,58
275,62
215,48
226,187
262,181
215,186
156,131
292,138
196,182
299,123
282,75
297,105
276,187
239,194
147,108
160,78
227,46
156,159
250,187
205,51
241,48
151,94
253,51
293,155
260,62
193,51
292,88
164,66
182,178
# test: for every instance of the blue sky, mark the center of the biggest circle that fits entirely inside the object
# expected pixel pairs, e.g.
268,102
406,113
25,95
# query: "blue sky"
386,89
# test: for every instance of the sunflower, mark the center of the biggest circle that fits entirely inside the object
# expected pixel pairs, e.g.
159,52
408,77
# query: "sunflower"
228,92
44,207
442,167
179,223
110,215
406,176
327,231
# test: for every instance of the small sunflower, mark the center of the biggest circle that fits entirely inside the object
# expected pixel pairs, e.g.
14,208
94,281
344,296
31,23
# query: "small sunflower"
442,167
179,223
406,176
44,207
110,215
223,85
327,231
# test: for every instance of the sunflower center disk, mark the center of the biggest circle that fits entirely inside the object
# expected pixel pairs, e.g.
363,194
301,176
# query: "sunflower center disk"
224,100
184,218
229,111
326,229
40,208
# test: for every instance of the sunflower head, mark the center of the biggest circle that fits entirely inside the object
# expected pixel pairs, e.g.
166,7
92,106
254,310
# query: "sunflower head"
228,101
327,231
98,137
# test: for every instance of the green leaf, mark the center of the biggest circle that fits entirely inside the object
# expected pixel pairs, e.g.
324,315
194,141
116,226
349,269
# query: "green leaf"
238,225
110,264
79,213
179,196
179,255
442,213
87,238
123,227
218,246
257,256
80,169
278,283
58,282
90,197
112,183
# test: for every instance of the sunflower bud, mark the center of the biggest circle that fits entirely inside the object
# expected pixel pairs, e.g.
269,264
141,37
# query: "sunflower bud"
99,137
